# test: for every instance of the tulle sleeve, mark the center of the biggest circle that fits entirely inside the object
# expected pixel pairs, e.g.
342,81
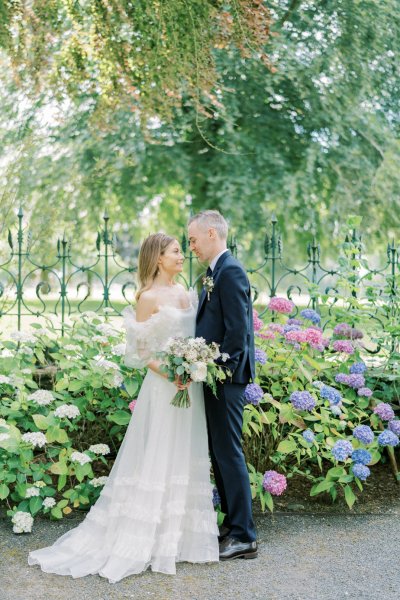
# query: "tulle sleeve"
138,351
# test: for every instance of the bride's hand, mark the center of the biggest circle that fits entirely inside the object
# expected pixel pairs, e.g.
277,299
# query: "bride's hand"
180,385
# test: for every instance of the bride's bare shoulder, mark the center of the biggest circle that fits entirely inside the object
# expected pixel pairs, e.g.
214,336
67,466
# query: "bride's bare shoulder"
147,305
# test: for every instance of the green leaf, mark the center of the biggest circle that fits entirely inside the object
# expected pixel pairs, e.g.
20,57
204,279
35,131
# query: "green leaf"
75,386
131,386
40,421
323,486
62,480
349,496
121,417
56,512
4,491
269,501
287,446
59,468
35,504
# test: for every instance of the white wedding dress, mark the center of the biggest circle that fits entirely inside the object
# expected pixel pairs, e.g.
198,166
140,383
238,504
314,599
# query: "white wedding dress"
156,507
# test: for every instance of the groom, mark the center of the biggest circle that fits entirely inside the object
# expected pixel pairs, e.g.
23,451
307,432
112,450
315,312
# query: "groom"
225,316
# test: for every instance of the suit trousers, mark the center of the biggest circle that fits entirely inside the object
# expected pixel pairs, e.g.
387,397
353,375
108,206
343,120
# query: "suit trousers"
224,425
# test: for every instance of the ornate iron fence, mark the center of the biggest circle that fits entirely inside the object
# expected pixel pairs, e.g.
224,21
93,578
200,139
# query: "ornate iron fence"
112,278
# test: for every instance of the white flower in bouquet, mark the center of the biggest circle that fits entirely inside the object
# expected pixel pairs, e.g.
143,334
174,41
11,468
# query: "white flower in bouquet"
224,357
41,397
36,438
100,449
4,379
49,502
199,371
98,481
31,492
67,410
80,458
22,521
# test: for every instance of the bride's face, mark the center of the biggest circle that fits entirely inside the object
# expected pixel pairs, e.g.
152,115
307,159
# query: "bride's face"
172,259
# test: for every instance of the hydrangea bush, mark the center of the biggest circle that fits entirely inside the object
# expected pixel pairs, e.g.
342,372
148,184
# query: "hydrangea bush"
56,444
311,408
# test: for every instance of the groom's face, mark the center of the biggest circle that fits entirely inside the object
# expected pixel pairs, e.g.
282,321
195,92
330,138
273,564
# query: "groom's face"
201,241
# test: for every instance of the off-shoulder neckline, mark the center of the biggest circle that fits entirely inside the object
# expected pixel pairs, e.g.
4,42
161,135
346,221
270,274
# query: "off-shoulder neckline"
162,306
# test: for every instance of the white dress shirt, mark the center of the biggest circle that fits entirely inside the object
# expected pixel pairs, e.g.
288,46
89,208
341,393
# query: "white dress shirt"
215,259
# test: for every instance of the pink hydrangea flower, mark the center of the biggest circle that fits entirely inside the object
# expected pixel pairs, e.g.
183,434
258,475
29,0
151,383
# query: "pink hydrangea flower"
275,327
343,346
132,405
267,335
257,323
274,483
313,336
295,336
281,305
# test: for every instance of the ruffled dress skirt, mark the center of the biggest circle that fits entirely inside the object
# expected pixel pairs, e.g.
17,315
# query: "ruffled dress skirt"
156,507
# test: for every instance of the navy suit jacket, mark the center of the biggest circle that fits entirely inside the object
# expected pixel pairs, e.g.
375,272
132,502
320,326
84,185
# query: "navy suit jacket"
227,317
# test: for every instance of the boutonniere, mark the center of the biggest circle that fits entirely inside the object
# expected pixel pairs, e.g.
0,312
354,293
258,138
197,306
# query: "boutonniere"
208,283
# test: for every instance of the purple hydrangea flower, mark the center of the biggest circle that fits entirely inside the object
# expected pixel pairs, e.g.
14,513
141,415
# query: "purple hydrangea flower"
260,356
356,334
287,328
384,411
294,322
394,426
311,315
355,381
216,497
331,394
342,329
361,471
253,393
364,433
364,391
358,367
302,400
388,438
308,435
361,456
274,483
343,346
342,449
341,378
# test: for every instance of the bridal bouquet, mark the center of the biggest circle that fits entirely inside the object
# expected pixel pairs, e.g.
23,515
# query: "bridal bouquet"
192,359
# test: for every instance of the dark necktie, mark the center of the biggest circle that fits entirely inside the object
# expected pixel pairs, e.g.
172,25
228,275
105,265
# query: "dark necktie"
209,272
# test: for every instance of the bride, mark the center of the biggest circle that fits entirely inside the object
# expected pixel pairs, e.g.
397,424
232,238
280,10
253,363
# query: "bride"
156,507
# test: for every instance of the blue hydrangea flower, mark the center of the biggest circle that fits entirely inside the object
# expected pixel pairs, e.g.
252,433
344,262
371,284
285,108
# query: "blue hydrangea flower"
388,438
341,378
394,426
335,410
253,393
308,435
260,356
364,433
361,471
342,449
331,394
287,328
318,384
361,456
358,367
294,322
216,497
302,400
311,315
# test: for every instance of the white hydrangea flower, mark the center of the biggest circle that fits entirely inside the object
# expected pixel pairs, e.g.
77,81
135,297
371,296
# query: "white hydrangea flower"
72,348
4,379
100,449
101,339
67,410
49,502
23,337
80,458
23,522
98,481
89,314
36,438
106,329
106,364
4,437
41,397
6,353
199,371
32,491
41,331
119,350
118,380
40,484
26,350
81,338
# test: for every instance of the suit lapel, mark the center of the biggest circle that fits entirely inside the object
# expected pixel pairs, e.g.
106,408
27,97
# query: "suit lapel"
203,294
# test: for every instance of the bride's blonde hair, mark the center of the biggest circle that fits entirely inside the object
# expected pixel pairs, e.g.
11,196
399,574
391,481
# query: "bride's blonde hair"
152,248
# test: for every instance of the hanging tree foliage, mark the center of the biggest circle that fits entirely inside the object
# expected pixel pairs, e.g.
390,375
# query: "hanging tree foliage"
149,55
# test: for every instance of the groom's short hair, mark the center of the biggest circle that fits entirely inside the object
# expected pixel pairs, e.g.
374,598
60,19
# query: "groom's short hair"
211,218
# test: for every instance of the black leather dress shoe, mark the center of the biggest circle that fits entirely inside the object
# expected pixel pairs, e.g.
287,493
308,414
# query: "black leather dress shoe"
223,532
231,548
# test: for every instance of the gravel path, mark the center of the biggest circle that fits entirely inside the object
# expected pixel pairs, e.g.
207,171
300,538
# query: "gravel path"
301,557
